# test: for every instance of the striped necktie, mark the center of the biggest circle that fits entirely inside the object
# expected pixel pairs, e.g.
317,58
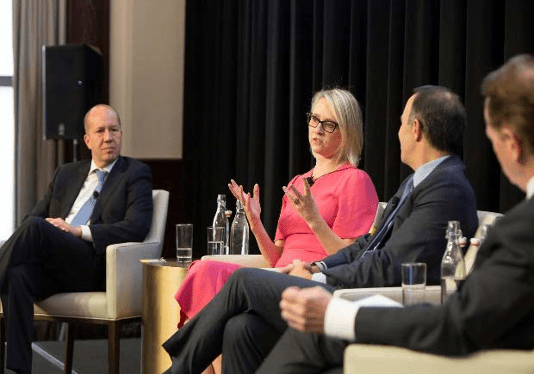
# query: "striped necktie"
83,215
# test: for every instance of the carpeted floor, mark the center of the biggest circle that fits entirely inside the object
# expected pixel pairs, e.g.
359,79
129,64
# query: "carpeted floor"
90,357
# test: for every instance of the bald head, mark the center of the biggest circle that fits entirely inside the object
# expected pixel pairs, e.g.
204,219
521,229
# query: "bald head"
98,110
103,134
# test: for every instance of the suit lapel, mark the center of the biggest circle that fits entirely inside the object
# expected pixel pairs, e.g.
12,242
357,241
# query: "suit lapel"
75,182
112,181
392,204
452,160
405,210
407,207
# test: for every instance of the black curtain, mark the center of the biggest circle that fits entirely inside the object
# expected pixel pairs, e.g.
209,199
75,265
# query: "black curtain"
252,67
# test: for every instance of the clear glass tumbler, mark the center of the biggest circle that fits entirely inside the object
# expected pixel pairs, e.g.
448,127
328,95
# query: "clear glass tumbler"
184,244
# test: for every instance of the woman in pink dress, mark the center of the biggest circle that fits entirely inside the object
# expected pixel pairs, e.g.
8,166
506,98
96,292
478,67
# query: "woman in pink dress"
323,210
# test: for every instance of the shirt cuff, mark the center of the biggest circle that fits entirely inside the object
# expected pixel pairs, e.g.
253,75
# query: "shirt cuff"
340,315
339,319
320,264
86,233
319,277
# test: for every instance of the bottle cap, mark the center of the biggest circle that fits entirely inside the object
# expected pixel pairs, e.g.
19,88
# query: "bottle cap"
228,213
475,241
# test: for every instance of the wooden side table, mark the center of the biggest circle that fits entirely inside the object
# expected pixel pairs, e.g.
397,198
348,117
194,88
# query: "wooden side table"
160,312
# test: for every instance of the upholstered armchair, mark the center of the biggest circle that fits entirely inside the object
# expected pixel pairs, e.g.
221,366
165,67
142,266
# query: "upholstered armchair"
119,304
362,359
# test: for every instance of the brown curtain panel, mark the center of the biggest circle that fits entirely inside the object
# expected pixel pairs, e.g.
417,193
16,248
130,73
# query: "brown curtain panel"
35,23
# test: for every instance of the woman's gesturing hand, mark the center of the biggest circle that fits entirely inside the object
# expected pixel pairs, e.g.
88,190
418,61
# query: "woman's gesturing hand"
251,204
303,203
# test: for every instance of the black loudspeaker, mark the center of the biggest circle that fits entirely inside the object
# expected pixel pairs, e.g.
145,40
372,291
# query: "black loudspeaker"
72,84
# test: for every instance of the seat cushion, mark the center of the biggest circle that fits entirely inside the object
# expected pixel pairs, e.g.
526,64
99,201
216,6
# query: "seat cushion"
88,305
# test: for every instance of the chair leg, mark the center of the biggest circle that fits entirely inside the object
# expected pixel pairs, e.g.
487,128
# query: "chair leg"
69,347
2,344
114,347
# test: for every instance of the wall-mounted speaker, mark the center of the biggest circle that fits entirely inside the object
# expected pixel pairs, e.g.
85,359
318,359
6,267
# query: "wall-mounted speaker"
72,84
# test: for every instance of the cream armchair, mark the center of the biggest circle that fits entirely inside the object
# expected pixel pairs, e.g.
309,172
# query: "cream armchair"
120,303
362,358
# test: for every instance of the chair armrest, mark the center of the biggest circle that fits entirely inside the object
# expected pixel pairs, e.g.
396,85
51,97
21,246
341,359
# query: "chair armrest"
362,358
254,261
124,274
432,293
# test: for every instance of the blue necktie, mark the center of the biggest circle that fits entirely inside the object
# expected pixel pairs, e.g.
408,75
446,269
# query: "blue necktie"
377,239
83,215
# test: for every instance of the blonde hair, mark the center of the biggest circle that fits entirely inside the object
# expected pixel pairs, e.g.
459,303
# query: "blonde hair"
349,119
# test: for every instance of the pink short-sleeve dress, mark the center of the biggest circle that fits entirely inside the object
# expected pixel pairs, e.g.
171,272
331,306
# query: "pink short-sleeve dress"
346,199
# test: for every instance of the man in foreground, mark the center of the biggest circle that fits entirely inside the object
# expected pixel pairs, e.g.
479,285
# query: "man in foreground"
60,245
243,320
493,308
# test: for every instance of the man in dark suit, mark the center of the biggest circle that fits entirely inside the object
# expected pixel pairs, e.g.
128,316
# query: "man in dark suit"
243,320
492,309
60,245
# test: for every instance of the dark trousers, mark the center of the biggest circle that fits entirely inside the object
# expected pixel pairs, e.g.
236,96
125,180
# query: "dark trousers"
37,261
300,353
242,322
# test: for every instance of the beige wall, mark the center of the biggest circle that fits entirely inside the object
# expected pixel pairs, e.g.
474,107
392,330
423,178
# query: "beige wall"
147,42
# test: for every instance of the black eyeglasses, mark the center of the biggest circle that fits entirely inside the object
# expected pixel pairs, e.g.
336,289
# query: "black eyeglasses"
328,126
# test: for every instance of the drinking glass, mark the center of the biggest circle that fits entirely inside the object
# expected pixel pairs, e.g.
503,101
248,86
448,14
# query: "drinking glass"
216,236
413,283
184,244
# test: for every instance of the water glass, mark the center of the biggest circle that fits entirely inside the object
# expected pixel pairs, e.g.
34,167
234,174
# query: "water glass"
216,237
184,244
413,283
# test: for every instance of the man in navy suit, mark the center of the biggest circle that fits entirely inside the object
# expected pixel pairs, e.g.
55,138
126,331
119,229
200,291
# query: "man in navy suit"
60,245
243,320
494,307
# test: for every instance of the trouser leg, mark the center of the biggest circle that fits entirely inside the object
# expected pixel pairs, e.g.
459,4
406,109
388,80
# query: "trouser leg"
197,343
247,340
19,318
300,353
37,261
65,258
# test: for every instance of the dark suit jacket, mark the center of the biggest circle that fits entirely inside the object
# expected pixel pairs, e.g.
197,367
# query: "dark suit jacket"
493,309
123,209
417,233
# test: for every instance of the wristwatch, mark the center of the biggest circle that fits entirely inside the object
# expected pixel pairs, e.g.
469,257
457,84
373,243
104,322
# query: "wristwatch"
320,264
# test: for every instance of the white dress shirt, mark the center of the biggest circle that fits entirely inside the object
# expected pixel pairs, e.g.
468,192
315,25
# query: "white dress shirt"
341,314
530,188
86,191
